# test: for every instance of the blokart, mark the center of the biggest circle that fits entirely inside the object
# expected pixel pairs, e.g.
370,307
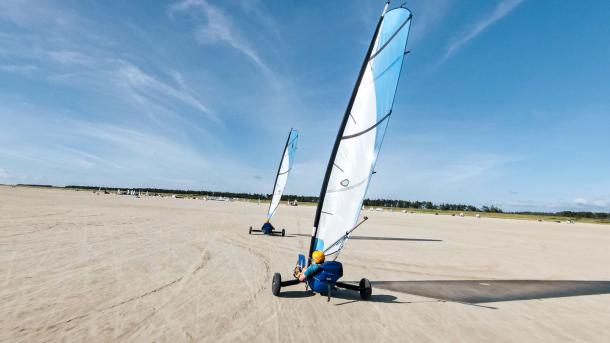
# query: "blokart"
324,282
281,179
354,154
268,229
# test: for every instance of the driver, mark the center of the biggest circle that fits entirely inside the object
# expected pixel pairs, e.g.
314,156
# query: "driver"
267,227
318,258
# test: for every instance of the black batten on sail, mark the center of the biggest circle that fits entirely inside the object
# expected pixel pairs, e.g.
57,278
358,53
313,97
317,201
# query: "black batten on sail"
340,133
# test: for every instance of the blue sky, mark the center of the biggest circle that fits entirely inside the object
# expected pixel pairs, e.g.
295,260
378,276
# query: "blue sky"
501,102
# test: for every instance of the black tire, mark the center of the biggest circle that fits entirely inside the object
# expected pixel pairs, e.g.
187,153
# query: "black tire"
283,232
250,231
276,284
365,289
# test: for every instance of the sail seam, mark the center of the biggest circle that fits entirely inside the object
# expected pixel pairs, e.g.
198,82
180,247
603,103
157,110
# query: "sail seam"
369,129
391,38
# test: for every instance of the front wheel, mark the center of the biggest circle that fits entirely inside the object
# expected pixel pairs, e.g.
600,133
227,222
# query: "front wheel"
276,284
365,289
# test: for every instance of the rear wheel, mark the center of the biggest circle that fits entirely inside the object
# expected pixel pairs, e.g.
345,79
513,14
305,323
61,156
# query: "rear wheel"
276,284
250,231
365,289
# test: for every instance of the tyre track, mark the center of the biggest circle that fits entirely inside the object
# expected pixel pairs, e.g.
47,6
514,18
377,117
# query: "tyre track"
198,267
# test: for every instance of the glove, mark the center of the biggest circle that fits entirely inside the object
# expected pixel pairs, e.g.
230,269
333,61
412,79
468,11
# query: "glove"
297,272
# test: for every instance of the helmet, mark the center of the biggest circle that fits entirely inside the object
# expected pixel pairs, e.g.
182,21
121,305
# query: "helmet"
318,256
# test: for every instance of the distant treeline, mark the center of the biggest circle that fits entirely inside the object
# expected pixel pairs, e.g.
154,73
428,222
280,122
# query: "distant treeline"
428,205
31,185
424,205
180,191
591,215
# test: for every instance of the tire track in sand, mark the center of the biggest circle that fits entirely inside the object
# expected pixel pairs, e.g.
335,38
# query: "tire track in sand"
198,267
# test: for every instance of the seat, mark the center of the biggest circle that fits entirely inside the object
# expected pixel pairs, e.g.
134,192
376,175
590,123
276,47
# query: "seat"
329,273
267,228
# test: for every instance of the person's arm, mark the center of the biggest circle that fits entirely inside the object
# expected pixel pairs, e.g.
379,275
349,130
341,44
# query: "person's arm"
310,271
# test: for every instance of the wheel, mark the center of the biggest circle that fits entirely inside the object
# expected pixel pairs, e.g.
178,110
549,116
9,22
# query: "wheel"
329,290
276,285
250,231
365,289
283,232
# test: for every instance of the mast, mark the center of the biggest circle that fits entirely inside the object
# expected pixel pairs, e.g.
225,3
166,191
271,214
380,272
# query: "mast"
279,168
333,154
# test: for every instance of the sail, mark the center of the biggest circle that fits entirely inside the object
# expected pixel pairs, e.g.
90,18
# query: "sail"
283,170
354,155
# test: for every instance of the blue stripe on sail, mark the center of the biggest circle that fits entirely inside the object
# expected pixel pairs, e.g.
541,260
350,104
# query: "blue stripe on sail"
292,146
319,244
387,64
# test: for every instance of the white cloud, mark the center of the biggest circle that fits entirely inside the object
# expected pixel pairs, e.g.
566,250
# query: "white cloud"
503,8
18,68
219,28
63,47
591,203
3,174
430,15
150,87
94,158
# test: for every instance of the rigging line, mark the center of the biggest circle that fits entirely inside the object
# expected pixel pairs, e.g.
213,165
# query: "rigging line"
369,129
391,38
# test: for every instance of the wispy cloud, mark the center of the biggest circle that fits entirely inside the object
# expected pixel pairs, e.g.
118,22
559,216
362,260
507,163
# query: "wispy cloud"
3,174
591,203
18,68
63,47
95,158
148,86
502,9
430,15
219,28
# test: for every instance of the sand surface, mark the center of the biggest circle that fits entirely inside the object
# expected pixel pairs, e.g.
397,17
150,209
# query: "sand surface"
75,266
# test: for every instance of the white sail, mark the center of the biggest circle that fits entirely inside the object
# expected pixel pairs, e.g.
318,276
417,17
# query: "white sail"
360,137
283,170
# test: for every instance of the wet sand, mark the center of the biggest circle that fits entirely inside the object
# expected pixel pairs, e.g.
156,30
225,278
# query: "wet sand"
77,266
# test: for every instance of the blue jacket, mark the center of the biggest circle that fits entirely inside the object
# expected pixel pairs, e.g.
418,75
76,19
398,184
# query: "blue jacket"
312,270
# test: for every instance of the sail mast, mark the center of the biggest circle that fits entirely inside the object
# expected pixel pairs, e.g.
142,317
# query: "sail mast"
341,131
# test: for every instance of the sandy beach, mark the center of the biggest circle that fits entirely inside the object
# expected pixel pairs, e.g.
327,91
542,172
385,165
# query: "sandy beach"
76,266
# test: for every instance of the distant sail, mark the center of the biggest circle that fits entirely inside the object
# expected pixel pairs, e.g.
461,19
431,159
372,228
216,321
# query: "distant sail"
283,170
361,133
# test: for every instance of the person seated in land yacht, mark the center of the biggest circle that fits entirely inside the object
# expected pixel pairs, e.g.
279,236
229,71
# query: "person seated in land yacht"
317,258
